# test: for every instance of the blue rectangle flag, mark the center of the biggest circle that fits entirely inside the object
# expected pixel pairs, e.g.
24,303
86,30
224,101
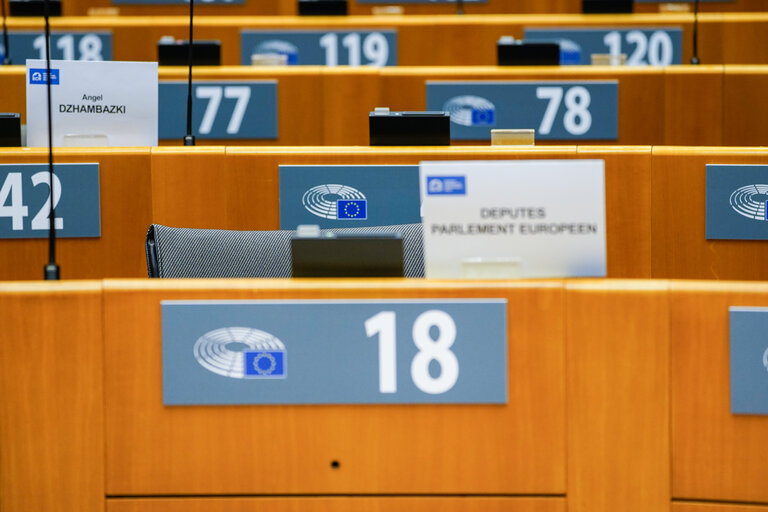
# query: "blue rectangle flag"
351,209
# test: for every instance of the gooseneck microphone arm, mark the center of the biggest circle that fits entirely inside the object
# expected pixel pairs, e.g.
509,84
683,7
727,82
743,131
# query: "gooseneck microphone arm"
51,269
189,139
459,6
7,51
695,58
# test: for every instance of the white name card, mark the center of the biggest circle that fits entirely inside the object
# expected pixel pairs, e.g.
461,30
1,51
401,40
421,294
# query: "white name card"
93,103
509,219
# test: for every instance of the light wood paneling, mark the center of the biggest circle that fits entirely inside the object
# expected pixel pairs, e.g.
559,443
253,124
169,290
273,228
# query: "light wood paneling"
341,504
628,232
745,111
716,455
693,106
51,411
716,507
617,360
679,246
458,449
126,212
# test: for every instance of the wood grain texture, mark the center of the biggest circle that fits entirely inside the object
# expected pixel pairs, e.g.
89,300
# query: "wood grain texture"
51,411
716,507
693,106
679,248
125,218
628,232
745,111
716,455
617,385
513,448
340,504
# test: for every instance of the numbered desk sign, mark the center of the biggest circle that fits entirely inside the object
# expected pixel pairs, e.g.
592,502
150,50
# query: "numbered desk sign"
25,200
537,218
111,102
749,360
343,196
737,202
323,47
76,45
642,46
341,352
220,110
572,110
405,2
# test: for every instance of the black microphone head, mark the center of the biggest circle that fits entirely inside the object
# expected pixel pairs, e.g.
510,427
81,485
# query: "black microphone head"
51,272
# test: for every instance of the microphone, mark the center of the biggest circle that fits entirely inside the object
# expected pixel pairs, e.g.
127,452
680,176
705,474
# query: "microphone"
695,58
189,139
51,270
459,6
7,51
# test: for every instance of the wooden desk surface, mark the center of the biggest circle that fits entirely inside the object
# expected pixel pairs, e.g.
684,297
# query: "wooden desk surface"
423,40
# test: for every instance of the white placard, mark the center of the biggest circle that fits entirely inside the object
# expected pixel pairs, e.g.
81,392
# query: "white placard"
93,103
507,219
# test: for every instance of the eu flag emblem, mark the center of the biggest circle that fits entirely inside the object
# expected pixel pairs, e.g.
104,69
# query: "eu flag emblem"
265,364
349,209
483,117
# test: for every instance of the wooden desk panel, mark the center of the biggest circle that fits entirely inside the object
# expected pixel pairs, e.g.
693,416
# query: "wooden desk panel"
14,90
51,411
617,359
716,507
693,106
679,247
745,112
715,455
340,504
433,38
516,448
126,213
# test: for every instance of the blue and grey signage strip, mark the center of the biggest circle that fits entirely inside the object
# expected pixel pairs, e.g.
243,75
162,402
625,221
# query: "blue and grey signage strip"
334,196
749,360
25,200
70,45
220,110
341,352
737,202
557,110
362,47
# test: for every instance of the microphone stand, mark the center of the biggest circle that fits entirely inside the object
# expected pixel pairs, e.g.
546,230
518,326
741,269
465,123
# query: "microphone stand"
51,270
189,139
7,52
695,58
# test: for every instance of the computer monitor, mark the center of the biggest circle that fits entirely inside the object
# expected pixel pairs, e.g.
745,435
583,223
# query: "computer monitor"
527,53
348,255
10,130
409,128
607,6
171,52
322,7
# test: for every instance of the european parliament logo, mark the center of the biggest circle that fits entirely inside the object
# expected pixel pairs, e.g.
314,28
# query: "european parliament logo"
40,76
242,353
280,47
471,111
336,202
446,185
751,201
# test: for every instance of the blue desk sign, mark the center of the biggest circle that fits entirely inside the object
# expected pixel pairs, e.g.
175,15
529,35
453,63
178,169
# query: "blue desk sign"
335,352
323,47
25,205
643,46
736,197
64,46
564,110
220,110
749,360
320,194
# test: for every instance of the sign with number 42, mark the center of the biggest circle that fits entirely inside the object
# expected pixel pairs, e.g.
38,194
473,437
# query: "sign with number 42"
25,200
